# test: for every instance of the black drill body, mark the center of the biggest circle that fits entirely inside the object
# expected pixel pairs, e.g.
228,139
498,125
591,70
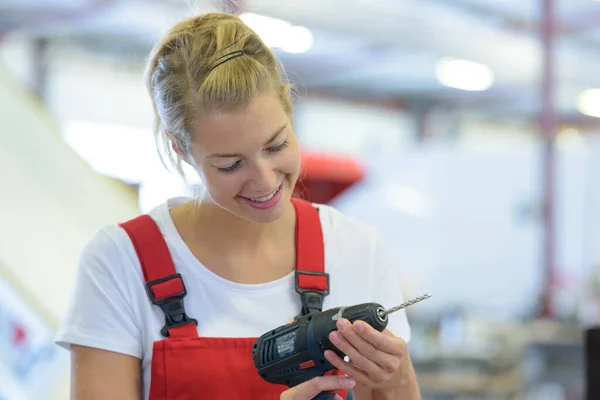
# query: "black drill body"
294,353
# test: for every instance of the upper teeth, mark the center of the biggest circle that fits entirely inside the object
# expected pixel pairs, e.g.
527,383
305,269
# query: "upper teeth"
266,198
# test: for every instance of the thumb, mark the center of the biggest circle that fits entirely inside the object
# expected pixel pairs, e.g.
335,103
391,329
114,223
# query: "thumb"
311,388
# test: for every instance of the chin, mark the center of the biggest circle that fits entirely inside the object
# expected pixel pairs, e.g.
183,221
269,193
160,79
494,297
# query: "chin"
268,217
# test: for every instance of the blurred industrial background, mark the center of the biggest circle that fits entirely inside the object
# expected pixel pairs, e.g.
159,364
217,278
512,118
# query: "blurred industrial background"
465,131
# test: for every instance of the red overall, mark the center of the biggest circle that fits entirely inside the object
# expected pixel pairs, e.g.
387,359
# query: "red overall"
186,366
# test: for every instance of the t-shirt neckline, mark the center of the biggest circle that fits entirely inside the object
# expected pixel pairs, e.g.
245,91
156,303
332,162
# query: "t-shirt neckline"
162,216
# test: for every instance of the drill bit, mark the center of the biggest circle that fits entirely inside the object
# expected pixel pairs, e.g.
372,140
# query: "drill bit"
408,303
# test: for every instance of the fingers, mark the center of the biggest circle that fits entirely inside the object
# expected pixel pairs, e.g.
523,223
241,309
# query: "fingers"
347,368
311,388
363,355
385,341
362,344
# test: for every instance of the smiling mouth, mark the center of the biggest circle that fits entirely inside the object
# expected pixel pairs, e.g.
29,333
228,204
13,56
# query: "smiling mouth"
265,198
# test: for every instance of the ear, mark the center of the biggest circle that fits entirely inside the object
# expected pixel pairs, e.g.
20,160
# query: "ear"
176,145
178,148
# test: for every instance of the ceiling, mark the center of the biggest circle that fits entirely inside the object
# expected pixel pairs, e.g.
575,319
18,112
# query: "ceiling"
373,49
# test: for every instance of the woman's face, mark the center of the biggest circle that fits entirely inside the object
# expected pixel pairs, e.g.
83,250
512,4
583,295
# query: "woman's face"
249,160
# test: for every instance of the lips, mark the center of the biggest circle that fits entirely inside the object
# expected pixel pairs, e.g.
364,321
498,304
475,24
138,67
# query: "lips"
264,198
265,202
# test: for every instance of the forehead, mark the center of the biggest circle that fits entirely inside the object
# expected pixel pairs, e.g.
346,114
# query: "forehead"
243,129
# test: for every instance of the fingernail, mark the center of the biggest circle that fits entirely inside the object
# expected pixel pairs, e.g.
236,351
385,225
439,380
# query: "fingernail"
359,326
343,324
351,381
335,337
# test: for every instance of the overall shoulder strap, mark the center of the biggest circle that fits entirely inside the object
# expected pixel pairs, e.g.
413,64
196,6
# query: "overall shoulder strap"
165,287
312,282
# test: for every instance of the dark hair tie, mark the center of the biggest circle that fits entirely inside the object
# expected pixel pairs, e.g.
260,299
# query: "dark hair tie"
226,57
231,44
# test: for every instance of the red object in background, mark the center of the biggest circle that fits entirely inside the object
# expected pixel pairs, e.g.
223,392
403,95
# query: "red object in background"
324,176
19,335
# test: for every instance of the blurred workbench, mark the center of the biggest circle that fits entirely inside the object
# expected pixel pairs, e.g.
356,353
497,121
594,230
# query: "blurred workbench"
536,360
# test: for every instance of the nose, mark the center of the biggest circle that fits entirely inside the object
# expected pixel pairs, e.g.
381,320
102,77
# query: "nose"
263,178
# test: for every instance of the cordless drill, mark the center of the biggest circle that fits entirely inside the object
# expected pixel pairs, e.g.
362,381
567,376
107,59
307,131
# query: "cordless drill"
294,353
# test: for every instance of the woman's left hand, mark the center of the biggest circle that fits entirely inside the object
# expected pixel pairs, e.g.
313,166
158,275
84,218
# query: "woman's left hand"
378,360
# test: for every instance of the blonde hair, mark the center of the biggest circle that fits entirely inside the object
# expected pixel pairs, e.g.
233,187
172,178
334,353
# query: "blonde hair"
186,77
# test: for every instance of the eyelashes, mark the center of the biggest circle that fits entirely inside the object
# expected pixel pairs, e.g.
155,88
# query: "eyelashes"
236,165
278,147
231,168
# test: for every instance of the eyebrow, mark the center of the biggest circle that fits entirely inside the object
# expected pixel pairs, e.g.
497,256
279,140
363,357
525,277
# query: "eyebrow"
268,142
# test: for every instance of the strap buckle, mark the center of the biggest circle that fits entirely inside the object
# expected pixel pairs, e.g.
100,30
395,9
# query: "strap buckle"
312,299
172,305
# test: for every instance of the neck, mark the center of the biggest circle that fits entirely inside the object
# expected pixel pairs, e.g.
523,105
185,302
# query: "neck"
230,231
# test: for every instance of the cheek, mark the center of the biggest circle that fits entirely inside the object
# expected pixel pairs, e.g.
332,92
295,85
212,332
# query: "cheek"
291,161
223,185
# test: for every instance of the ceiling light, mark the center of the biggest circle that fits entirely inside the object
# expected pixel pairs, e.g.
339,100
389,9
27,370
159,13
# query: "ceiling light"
279,34
588,102
464,74
300,40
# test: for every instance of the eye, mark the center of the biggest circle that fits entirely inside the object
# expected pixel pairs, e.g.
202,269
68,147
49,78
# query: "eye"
231,168
278,147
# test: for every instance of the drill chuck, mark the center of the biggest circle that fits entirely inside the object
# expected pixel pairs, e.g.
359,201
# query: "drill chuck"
382,315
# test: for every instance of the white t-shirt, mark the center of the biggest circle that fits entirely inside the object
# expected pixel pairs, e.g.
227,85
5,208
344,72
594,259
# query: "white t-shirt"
110,309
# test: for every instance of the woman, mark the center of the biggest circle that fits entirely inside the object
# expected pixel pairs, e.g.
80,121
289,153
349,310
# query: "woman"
222,107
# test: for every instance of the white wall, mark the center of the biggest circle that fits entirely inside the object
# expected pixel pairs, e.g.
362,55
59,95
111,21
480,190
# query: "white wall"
344,127
591,245
97,90
463,220
79,87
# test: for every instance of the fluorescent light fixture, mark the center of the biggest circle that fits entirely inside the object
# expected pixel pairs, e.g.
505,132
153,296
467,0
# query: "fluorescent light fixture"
280,34
464,74
588,102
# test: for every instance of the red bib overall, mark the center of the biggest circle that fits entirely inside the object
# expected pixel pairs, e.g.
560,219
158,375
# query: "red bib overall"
188,367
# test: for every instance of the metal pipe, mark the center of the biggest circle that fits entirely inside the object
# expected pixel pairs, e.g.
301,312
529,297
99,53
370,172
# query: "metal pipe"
548,127
40,67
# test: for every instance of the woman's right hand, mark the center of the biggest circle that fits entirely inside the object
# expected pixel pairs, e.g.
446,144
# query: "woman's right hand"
309,389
